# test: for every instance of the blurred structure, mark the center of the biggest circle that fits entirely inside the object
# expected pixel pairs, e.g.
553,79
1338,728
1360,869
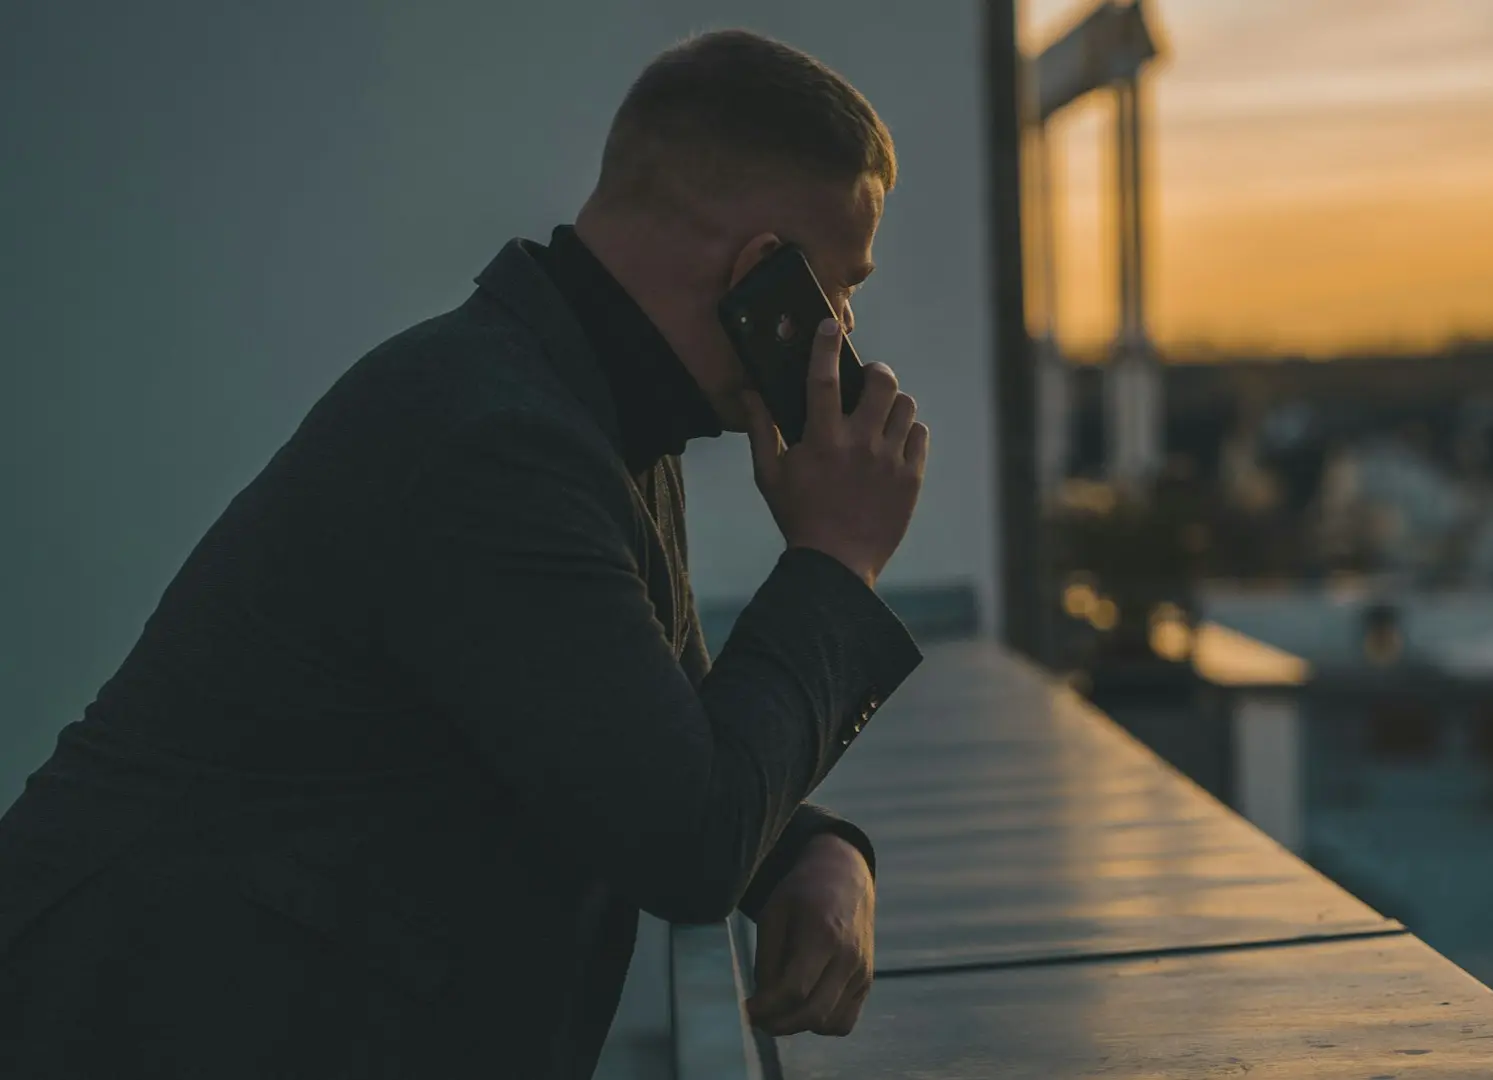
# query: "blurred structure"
1342,514
1365,466
1109,49
1275,570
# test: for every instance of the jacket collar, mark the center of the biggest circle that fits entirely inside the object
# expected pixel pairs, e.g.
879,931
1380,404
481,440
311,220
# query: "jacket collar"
515,280
659,405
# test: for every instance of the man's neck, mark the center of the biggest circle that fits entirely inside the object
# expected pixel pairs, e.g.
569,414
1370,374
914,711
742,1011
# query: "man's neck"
658,401
636,256
663,267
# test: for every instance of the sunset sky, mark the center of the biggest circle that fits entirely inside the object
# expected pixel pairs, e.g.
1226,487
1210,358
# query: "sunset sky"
1321,170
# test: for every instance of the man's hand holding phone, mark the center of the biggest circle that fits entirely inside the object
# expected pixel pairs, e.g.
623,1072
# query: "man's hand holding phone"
849,487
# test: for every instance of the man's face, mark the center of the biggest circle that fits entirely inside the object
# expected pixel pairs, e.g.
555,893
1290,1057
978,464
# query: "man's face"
834,226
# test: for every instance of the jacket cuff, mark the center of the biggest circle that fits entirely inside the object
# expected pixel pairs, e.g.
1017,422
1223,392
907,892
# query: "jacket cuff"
891,653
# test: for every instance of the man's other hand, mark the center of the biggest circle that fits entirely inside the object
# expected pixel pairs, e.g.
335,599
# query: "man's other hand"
815,939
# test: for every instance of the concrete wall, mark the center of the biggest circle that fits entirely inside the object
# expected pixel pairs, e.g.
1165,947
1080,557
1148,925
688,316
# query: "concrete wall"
211,210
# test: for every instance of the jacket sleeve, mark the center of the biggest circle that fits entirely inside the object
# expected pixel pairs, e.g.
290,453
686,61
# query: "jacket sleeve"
808,820
518,609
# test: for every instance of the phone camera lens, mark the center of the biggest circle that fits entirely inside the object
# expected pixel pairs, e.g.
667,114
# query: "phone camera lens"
785,328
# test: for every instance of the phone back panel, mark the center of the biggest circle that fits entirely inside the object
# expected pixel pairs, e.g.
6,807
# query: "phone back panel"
771,317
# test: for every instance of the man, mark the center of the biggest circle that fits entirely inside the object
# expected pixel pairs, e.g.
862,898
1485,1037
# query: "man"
426,717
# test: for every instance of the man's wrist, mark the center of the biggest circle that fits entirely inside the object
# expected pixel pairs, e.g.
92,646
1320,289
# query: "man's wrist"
841,839
828,845
855,566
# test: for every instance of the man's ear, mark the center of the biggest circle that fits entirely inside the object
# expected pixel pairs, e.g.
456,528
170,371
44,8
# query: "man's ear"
756,249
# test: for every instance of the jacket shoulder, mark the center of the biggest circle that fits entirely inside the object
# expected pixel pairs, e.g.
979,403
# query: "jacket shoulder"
454,367
419,389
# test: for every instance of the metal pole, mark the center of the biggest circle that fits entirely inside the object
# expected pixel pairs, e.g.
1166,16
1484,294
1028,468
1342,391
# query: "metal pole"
1018,523
1132,383
1119,420
1152,420
1052,374
1048,210
1137,236
1125,174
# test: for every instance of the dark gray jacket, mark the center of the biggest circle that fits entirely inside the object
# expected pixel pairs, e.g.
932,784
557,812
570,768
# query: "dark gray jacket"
432,694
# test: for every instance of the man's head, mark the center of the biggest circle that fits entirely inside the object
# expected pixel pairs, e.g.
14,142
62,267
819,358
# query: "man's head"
726,146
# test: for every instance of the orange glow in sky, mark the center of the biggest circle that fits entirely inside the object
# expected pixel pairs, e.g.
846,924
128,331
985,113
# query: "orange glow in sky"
1321,176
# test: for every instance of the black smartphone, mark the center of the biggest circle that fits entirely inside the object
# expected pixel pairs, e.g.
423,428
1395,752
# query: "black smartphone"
771,317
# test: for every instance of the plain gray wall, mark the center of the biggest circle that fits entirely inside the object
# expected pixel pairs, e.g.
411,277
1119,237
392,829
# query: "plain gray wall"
211,210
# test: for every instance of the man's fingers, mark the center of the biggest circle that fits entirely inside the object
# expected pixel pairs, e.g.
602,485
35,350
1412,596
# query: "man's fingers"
915,450
848,1010
899,421
772,942
823,394
875,406
767,444
785,991
819,1006
785,994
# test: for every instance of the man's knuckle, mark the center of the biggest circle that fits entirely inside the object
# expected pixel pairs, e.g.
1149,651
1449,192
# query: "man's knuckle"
829,925
836,1021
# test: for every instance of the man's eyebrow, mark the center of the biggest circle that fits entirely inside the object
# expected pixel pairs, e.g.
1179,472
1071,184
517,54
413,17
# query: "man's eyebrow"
861,273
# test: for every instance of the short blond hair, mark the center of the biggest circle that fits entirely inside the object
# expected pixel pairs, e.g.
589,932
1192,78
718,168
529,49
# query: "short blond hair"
730,103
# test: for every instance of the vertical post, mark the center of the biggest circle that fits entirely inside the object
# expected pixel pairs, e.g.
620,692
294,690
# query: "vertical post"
1133,381
1118,378
1048,210
1125,216
1135,162
1268,781
1019,571
1053,390
1150,420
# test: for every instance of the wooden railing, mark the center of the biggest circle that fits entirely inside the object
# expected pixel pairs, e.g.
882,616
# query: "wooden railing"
713,1039
1055,901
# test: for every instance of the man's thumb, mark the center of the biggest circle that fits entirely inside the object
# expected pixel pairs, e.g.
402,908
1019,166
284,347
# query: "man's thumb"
767,444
